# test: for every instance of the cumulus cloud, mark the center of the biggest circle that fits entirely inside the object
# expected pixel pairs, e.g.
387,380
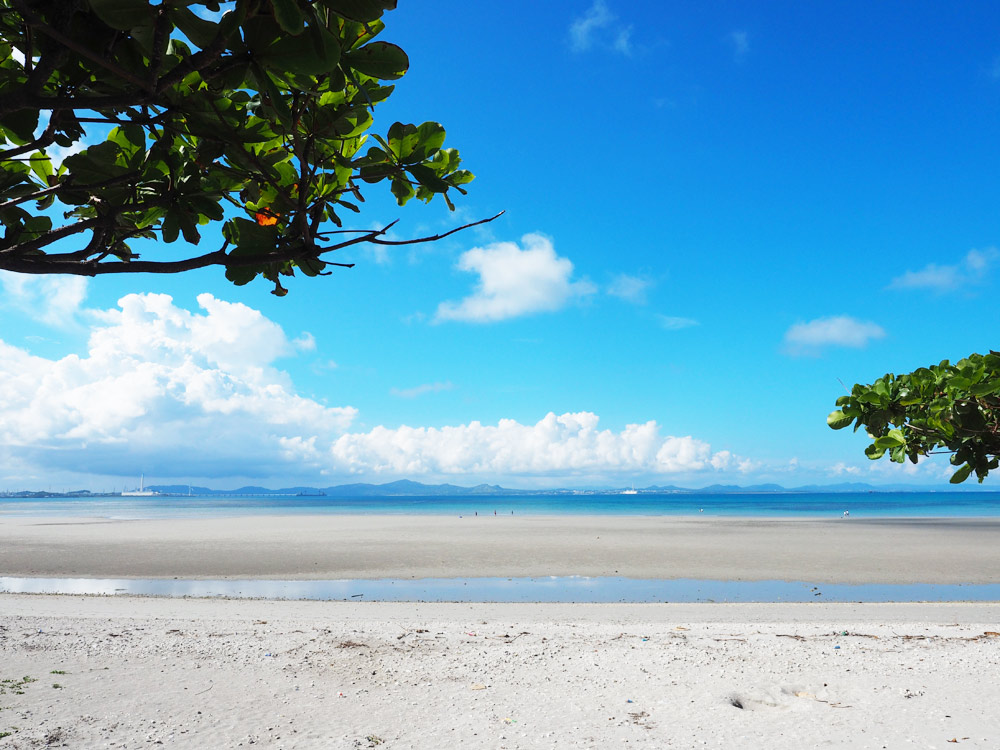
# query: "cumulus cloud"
968,272
672,323
563,444
53,300
181,394
174,392
585,30
841,330
514,281
420,390
630,288
727,461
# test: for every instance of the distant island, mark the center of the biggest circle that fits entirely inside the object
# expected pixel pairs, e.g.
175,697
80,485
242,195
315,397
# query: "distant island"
408,488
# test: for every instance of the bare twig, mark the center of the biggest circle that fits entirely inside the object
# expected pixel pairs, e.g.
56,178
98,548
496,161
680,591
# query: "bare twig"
436,236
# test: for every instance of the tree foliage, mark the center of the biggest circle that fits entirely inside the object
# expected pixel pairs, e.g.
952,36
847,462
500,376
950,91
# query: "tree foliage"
259,119
942,408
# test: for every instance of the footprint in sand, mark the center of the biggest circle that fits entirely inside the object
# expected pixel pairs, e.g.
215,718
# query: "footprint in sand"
781,697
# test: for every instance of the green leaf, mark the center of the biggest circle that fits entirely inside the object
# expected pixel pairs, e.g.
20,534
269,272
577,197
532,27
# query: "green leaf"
21,124
837,420
275,98
171,229
402,139
189,228
360,10
377,172
195,28
380,60
464,177
241,275
874,452
122,14
402,189
985,388
293,55
249,238
288,16
426,177
888,442
961,475
41,165
96,164
36,226
429,139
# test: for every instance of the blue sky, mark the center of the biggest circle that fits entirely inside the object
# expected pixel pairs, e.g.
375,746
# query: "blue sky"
714,211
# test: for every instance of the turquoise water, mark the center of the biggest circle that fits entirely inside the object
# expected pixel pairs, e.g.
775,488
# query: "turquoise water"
792,504
541,589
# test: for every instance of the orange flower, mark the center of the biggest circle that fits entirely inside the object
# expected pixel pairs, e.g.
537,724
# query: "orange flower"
265,218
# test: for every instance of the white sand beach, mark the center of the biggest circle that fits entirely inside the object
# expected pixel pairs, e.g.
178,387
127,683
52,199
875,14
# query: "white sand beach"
132,672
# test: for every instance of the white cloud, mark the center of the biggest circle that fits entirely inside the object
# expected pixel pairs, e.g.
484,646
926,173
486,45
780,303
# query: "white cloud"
163,390
722,460
420,390
841,330
630,288
568,444
514,282
581,31
53,300
584,30
969,271
324,366
672,323
740,41
840,468
305,342
726,461
180,394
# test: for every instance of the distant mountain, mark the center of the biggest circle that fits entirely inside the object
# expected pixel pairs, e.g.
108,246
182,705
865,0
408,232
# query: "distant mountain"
720,489
409,488
405,487
401,488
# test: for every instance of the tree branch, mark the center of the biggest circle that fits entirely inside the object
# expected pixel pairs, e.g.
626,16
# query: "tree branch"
436,236
42,264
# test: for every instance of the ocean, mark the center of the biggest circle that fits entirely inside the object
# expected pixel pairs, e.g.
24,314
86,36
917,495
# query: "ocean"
778,504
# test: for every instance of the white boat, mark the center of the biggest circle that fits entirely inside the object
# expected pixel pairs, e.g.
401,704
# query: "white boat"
632,491
141,492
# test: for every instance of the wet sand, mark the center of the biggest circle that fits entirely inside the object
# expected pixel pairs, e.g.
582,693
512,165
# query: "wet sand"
852,551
